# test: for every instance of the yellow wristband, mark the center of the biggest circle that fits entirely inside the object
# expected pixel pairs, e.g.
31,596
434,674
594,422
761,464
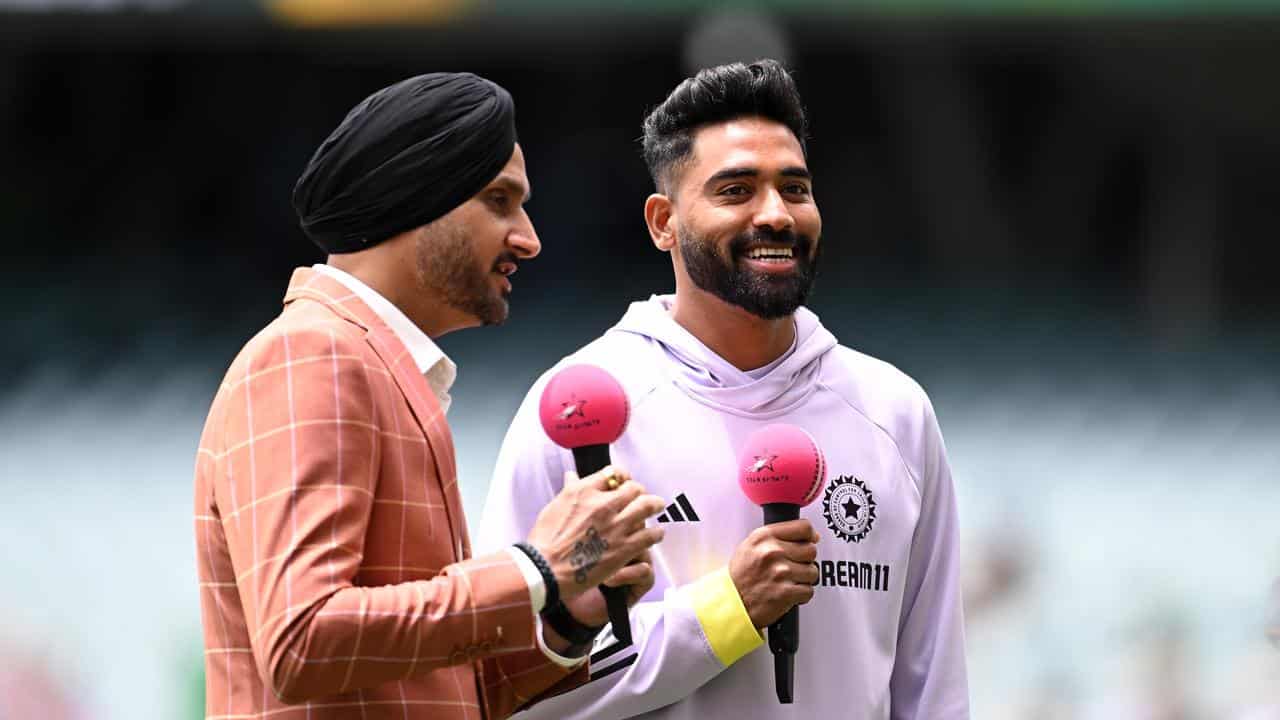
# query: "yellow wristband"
723,617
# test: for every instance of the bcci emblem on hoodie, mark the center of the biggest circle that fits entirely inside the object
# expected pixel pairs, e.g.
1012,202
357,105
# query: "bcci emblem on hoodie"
850,508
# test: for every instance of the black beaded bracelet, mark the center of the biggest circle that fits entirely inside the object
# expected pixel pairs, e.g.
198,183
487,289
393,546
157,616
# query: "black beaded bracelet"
544,569
560,620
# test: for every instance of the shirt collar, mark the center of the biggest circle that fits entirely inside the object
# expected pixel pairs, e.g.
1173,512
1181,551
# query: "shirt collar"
426,354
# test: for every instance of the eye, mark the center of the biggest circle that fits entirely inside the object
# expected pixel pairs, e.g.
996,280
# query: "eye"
796,189
734,191
500,200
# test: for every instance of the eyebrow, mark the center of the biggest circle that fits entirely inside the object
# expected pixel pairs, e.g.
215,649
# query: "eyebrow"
741,172
512,185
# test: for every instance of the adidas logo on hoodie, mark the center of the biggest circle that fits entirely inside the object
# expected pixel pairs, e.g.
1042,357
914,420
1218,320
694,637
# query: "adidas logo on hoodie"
679,511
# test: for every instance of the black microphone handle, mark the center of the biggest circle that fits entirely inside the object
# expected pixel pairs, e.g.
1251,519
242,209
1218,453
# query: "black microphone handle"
590,459
778,512
784,633
784,677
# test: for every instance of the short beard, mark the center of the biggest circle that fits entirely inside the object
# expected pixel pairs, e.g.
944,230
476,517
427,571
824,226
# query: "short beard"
448,267
766,296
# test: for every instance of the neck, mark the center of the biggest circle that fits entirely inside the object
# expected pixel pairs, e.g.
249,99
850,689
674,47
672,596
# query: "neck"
746,341
393,278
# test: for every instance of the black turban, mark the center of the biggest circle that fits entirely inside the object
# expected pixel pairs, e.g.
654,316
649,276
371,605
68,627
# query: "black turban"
403,157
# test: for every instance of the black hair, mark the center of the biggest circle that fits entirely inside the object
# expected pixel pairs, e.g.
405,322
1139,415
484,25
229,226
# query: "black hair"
718,94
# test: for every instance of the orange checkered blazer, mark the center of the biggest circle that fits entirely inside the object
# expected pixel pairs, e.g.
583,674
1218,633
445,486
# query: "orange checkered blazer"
335,569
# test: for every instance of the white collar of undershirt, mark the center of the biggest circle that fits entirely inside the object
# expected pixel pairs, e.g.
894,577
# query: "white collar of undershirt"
439,370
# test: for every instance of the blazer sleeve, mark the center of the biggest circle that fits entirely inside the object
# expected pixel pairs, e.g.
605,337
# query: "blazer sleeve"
520,680
295,487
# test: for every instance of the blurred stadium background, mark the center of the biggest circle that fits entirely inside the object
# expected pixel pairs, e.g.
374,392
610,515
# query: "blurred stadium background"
1061,217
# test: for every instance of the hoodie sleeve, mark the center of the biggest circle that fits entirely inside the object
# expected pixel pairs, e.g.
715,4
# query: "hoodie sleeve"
929,676
681,640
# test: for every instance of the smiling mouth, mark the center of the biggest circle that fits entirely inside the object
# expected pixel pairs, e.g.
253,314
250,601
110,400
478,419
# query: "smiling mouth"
777,255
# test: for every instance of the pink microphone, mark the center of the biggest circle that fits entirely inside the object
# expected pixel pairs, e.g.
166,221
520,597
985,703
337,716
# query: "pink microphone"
782,469
583,408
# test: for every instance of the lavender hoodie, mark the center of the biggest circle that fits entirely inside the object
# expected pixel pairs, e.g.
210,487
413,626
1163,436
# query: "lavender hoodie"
883,636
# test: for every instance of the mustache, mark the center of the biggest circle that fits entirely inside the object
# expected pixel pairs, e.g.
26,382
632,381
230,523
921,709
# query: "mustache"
505,257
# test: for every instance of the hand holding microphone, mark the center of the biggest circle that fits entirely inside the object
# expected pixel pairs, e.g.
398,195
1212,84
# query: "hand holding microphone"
583,408
781,469
589,533
773,569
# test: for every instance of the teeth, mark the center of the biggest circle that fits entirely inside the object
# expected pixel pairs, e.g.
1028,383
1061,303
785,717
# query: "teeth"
765,253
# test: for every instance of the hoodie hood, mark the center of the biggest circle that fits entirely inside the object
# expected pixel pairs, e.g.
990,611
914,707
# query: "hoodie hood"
712,380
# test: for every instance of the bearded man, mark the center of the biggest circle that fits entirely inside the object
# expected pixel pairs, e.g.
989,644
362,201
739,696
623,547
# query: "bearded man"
733,350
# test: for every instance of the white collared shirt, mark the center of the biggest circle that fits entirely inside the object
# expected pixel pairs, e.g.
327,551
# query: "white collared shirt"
441,372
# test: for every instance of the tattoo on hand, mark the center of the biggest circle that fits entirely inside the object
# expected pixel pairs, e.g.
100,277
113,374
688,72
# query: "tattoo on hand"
586,554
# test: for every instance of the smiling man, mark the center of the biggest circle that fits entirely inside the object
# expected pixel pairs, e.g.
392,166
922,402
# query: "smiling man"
336,573
734,349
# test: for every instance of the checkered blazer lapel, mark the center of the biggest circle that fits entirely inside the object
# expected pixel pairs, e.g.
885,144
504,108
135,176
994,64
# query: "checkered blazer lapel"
309,284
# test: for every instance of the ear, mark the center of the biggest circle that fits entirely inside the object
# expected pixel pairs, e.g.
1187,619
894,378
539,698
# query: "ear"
659,218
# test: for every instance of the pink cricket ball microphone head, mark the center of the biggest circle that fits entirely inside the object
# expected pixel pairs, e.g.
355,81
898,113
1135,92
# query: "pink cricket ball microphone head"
782,469
583,405
781,464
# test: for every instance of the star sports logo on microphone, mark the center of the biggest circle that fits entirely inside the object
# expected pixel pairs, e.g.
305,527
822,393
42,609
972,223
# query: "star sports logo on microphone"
570,409
759,464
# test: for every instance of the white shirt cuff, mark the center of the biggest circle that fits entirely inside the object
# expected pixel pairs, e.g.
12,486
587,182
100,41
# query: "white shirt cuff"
552,655
538,598
532,578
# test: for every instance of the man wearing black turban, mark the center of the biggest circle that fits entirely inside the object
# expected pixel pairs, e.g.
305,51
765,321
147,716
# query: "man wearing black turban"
408,158
335,569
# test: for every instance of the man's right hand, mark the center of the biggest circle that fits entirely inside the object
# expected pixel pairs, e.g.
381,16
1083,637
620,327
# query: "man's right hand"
589,532
773,569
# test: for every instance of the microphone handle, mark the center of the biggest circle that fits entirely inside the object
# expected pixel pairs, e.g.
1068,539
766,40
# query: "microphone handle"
784,677
784,633
780,512
590,459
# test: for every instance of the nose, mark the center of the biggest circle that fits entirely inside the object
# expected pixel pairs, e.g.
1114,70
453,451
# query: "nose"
523,239
773,212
